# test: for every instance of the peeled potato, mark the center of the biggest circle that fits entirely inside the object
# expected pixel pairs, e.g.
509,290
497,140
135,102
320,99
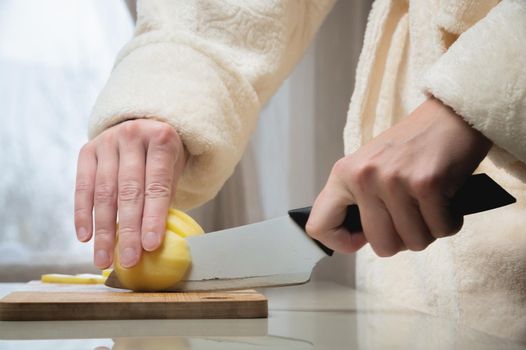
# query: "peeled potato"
182,224
167,265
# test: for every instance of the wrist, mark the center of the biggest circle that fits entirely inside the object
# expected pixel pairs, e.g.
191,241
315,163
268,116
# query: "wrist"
477,138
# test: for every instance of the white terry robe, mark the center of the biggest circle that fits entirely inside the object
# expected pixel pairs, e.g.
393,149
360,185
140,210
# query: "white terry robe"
207,66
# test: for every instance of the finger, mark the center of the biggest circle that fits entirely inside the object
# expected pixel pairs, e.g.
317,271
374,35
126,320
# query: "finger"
378,226
105,205
327,216
84,188
160,177
130,197
442,222
407,219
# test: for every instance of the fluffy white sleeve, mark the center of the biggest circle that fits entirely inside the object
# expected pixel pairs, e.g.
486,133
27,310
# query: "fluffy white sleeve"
482,77
206,67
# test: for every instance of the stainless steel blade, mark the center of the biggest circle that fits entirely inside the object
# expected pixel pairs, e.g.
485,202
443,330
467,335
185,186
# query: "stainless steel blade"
270,253
275,252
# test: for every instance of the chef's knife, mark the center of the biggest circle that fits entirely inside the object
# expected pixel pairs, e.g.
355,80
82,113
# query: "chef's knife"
278,252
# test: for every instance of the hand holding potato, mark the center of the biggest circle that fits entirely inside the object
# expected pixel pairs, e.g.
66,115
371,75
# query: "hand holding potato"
129,170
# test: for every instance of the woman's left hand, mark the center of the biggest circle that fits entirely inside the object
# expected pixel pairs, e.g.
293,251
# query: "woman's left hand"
402,181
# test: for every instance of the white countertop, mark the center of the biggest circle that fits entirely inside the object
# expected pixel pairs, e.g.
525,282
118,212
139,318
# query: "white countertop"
318,315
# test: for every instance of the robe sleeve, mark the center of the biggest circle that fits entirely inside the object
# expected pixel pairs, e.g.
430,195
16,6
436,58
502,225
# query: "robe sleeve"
482,76
206,67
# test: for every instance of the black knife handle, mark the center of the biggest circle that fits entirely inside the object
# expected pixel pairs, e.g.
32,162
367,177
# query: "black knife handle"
479,193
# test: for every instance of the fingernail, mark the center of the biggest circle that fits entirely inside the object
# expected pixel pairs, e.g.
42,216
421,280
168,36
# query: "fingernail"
102,259
151,241
128,257
82,234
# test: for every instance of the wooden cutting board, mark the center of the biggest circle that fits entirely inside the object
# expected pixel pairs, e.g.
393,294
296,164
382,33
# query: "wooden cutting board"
102,303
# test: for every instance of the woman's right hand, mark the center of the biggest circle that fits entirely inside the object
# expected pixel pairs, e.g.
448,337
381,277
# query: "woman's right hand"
403,181
130,170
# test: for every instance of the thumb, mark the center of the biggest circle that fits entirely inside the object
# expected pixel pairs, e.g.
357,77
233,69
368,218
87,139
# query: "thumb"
327,217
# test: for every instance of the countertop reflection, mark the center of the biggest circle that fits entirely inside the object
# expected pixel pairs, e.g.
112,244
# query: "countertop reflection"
319,315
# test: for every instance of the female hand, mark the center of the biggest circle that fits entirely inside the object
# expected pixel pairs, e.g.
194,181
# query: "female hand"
130,169
402,181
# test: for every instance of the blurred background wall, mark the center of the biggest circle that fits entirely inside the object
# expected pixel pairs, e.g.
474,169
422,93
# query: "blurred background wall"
55,56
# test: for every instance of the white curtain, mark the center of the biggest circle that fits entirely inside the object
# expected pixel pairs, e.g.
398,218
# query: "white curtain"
54,57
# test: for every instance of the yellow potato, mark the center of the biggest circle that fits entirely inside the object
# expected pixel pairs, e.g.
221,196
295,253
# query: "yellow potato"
182,224
167,265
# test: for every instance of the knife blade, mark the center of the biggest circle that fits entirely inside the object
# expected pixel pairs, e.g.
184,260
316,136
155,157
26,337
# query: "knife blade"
278,252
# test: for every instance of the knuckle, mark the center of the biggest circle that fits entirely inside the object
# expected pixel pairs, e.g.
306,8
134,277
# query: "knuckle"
384,252
83,187
363,173
81,213
357,172
417,240
130,129
157,189
339,168
425,186
105,194
103,235
386,248
130,191
441,233
152,221
128,231
105,141
86,149
165,134
313,229
392,178
417,246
